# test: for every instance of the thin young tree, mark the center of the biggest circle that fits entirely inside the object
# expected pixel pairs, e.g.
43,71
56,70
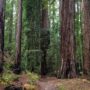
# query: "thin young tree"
68,69
86,36
17,68
1,34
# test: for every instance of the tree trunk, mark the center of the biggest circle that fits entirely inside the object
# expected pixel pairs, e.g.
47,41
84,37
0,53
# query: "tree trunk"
44,64
68,69
17,68
10,28
44,39
86,36
1,34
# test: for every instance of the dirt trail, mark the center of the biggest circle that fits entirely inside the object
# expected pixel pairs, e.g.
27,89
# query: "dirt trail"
63,84
47,84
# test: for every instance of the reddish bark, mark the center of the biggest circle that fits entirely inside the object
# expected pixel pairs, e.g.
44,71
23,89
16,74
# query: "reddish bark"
86,36
68,69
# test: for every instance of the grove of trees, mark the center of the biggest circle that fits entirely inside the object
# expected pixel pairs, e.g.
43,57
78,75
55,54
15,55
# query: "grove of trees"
48,37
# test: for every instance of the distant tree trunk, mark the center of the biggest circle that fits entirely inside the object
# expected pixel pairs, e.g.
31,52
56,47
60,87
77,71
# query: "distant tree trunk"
1,34
86,36
17,68
68,69
44,64
44,39
10,28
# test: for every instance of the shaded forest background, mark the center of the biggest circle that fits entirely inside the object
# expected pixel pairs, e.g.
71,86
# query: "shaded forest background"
31,53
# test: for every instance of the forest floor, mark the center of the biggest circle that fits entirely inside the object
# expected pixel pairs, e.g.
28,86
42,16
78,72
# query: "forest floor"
52,83
64,84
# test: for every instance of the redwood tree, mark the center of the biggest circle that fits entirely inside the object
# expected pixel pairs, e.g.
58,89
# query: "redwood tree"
44,39
86,36
68,69
1,34
17,68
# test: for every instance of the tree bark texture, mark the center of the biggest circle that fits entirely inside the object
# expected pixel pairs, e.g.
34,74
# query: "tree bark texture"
18,37
68,69
86,36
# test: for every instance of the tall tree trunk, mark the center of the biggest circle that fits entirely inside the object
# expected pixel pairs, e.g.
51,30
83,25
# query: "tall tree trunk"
17,68
86,36
10,28
1,34
44,42
68,69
